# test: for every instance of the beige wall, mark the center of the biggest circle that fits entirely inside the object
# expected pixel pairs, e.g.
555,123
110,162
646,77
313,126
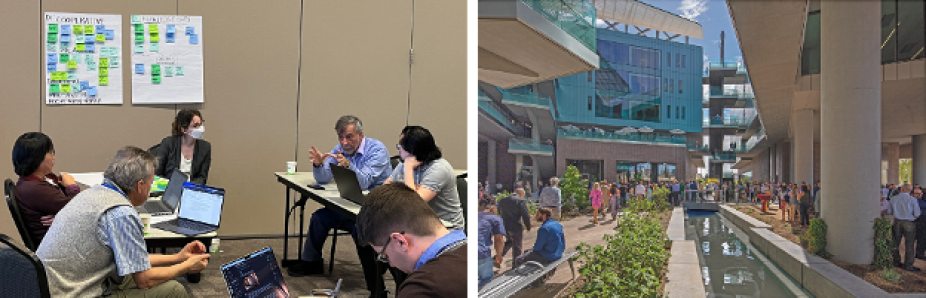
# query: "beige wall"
354,60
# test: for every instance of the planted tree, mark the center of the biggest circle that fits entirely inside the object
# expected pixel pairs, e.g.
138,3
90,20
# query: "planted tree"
575,190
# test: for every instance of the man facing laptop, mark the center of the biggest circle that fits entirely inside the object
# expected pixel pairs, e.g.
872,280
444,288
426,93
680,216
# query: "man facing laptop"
101,226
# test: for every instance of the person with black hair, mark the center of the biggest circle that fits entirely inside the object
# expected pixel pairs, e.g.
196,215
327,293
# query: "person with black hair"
432,176
40,193
408,235
185,149
491,232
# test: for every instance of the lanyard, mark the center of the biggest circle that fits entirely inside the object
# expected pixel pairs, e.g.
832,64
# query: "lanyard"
106,184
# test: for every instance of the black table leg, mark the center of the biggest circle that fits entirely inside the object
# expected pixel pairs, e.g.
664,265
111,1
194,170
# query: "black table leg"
286,262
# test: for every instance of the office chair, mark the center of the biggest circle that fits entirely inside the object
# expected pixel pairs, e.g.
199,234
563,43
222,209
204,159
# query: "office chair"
8,190
461,191
23,274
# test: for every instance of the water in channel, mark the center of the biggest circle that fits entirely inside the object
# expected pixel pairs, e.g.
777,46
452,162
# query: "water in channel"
731,267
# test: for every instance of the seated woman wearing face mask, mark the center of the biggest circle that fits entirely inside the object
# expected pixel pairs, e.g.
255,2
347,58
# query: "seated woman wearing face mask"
185,149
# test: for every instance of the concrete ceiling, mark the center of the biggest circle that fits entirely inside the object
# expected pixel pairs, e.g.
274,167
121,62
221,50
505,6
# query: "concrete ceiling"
640,14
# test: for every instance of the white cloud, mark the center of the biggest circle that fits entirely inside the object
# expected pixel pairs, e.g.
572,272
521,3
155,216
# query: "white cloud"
691,9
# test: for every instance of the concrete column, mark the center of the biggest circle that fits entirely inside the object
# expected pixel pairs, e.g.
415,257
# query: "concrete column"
893,163
772,164
518,163
491,165
802,121
850,126
535,126
919,160
535,172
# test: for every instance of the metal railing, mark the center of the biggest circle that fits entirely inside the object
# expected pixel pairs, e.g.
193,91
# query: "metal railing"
575,17
526,144
655,138
525,96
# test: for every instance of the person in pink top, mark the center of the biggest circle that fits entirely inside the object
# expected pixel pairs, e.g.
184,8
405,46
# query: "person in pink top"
595,196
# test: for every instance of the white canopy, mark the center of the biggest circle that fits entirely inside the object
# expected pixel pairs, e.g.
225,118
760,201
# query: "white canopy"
636,13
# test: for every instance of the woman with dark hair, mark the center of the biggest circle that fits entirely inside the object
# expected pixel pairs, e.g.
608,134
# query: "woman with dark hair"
804,196
428,174
185,150
39,192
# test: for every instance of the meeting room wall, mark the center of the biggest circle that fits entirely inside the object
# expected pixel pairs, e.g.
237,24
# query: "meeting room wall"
352,56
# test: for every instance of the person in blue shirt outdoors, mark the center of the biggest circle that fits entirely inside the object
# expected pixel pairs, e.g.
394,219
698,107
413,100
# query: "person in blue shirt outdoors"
693,194
676,188
905,210
406,233
550,243
369,159
96,246
491,231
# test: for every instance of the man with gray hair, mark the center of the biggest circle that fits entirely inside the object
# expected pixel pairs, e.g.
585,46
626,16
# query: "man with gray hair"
905,210
552,197
96,247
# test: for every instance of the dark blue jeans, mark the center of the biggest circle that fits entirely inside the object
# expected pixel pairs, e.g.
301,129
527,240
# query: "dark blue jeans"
322,221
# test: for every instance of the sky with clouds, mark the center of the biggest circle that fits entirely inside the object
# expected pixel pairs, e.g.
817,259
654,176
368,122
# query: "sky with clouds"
714,16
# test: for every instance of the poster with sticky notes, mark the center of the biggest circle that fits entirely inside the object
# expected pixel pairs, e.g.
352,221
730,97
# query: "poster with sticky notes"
80,50
167,60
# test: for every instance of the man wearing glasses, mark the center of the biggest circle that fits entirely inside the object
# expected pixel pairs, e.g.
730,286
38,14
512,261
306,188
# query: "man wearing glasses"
408,235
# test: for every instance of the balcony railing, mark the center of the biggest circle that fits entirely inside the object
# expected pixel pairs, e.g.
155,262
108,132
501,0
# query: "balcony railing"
655,138
718,91
525,144
723,156
525,96
728,121
576,17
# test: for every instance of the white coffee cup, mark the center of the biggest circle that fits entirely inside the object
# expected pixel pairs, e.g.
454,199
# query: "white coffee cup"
146,221
290,167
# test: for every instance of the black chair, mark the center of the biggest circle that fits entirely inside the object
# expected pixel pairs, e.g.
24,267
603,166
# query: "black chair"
395,160
23,275
8,190
335,233
461,191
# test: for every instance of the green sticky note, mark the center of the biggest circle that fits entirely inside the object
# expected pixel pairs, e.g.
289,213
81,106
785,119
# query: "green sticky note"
139,37
140,48
104,81
155,37
114,62
78,30
136,19
100,38
72,75
153,28
65,88
52,28
156,70
91,65
168,71
62,58
156,79
104,72
104,62
53,89
178,70
80,47
139,28
88,29
52,37
154,47
72,64
59,76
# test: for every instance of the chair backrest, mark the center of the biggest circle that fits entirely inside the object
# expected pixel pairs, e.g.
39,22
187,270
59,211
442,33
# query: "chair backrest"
22,274
395,160
9,190
461,191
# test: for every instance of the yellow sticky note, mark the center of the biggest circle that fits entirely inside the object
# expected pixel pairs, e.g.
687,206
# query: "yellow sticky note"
100,38
104,62
65,88
104,72
72,64
80,47
104,81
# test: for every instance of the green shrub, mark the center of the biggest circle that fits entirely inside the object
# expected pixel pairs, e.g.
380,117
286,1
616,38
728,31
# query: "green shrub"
892,276
816,238
883,245
574,190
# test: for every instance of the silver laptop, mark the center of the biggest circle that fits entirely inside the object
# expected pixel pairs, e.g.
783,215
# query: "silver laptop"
169,201
348,185
200,210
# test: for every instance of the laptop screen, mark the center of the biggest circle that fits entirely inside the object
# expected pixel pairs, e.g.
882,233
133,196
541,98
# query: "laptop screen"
174,189
201,203
255,275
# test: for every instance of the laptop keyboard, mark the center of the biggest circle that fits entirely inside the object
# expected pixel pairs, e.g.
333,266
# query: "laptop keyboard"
193,225
155,208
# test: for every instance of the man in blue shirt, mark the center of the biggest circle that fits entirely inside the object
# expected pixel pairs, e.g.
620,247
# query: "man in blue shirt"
369,159
905,210
490,226
676,188
550,244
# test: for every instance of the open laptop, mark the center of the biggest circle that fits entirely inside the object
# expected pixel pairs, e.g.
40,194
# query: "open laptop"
347,182
200,210
257,275
169,201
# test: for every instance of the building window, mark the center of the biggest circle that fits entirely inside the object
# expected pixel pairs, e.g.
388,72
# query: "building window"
676,60
589,103
669,59
683,61
683,112
672,86
676,112
665,85
589,76
679,86
669,111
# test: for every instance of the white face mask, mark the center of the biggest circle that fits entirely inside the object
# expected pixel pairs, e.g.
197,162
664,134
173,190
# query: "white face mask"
197,133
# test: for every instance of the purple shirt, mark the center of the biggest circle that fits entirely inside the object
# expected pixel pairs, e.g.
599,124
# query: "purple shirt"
489,226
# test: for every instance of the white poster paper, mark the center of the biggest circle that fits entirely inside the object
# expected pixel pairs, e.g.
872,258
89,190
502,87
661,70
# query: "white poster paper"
167,59
83,58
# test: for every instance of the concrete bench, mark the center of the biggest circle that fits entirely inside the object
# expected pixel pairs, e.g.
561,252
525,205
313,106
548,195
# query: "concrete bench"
516,279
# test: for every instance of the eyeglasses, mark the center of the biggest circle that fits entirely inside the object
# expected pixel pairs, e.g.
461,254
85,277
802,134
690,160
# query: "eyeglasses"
398,146
382,257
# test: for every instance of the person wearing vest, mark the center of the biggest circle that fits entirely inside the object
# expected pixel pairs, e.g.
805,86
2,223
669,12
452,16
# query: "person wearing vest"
96,248
408,235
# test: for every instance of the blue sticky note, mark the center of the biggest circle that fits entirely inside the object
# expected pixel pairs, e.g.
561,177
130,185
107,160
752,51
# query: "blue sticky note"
52,67
100,28
194,39
140,68
65,38
109,34
90,47
91,91
190,30
52,58
89,39
65,29
170,38
84,85
171,29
